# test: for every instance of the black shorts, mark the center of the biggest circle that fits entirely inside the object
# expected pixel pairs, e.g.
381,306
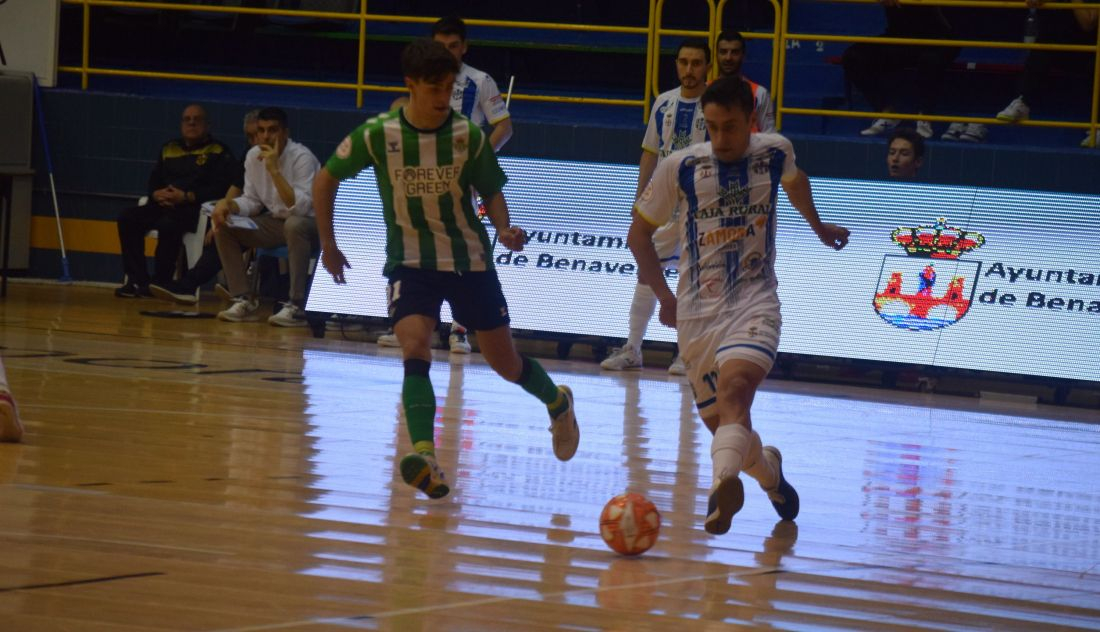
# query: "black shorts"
475,297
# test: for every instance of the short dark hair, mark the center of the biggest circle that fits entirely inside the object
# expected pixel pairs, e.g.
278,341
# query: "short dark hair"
695,42
911,135
730,92
427,59
450,25
273,114
730,35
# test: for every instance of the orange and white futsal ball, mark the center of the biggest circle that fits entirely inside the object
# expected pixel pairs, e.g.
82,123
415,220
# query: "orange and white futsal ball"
629,524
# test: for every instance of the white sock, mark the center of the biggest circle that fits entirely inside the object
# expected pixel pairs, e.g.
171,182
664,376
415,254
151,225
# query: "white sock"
728,450
641,311
757,466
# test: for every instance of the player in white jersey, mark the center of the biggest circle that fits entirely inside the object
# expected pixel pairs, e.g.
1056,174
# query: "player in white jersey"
730,51
726,307
476,97
675,122
475,94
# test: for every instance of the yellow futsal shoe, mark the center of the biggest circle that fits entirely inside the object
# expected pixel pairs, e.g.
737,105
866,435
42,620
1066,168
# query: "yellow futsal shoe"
422,472
563,426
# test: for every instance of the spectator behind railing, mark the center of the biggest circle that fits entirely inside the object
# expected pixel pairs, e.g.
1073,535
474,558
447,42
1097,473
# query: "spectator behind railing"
875,69
904,153
1077,26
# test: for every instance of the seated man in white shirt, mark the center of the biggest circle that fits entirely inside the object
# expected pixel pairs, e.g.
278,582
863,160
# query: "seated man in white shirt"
278,175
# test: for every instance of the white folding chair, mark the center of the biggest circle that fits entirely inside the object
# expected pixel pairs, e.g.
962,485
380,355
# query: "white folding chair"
192,242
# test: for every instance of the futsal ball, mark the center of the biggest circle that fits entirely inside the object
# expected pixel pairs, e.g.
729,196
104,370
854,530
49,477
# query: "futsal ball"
629,524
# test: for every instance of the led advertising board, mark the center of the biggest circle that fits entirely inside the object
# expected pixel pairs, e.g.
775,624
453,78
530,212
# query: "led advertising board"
950,276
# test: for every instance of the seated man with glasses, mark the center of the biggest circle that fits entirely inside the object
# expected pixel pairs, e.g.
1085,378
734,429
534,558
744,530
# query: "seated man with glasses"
190,170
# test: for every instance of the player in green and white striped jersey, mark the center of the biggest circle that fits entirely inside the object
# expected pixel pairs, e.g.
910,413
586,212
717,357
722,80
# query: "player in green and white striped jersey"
426,157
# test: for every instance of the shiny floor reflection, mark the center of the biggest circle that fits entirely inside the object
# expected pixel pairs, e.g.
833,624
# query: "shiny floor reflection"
195,475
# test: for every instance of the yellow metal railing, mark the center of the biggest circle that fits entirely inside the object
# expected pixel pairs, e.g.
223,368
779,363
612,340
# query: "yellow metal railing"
786,35
653,32
655,35
86,69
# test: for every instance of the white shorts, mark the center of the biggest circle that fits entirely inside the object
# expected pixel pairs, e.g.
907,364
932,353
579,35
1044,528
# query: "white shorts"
666,240
705,345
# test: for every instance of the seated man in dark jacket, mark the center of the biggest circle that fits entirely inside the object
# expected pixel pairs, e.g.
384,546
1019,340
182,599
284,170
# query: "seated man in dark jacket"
190,170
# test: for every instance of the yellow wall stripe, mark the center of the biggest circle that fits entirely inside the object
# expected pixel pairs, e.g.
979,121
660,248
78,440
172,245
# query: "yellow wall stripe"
81,235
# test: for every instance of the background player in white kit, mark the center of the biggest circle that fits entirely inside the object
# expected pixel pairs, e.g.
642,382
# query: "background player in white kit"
476,97
730,52
676,122
726,307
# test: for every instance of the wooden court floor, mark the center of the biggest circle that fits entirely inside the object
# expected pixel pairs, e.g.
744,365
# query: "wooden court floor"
198,475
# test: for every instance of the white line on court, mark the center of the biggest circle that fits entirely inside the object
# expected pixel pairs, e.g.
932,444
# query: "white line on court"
389,614
17,534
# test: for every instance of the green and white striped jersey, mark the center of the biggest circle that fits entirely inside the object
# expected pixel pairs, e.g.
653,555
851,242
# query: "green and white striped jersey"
424,178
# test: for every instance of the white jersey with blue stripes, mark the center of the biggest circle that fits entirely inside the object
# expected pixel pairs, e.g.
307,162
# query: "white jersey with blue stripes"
477,98
675,123
727,222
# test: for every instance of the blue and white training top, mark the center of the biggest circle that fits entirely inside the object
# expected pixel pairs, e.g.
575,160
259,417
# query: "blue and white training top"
674,123
727,222
477,98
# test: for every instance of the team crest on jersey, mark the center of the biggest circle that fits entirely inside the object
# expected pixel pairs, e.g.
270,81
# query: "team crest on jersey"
393,146
343,151
908,296
460,146
700,124
460,87
681,140
761,165
733,195
200,160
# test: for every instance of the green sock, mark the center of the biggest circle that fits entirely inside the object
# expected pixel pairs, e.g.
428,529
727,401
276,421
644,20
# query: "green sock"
418,399
535,381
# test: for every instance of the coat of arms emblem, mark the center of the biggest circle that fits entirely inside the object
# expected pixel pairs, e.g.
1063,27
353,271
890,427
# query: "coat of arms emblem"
929,288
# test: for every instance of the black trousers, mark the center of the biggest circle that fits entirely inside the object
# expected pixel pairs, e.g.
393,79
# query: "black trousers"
208,265
171,223
875,70
1056,27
